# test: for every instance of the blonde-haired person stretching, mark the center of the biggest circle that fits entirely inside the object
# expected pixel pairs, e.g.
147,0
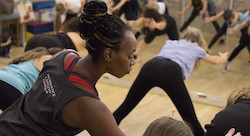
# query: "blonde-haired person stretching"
18,77
168,70
166,126
64,100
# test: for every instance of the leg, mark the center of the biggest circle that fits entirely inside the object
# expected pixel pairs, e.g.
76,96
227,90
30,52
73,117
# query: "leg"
241,45
190,19
179,95
216,26
218,35
137,91
140,47
8,95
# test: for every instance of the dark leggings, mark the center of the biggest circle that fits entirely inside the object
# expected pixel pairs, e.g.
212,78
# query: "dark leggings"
244,41
222,31
192,17
8,95
168,76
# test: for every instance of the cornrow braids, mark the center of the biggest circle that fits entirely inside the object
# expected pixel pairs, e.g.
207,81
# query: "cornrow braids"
100,29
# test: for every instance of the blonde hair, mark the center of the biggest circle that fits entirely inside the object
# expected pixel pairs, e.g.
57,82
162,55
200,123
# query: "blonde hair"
195,35
239,93
35,53
166,126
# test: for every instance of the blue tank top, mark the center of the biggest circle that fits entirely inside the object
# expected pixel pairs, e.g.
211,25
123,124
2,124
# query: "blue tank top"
240,20
21,76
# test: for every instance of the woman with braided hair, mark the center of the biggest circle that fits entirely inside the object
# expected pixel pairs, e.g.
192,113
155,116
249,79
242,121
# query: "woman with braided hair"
64,100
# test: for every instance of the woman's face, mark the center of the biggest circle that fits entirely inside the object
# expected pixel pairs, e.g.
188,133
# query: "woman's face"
123,60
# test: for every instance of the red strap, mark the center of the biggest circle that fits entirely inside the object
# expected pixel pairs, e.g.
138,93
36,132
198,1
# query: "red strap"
79,80
66,65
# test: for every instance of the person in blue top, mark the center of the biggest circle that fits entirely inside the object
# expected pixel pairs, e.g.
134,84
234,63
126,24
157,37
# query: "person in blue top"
18,77
243,25
168,70
231,18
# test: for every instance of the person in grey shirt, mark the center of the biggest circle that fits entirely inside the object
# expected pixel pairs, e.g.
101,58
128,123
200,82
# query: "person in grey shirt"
168,70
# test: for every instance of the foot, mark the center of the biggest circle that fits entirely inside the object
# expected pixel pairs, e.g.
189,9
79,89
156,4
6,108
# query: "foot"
136,58
222,42
224,68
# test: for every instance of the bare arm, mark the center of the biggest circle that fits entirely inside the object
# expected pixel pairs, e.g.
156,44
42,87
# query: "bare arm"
216,59
92,115
188,6
215,17
204,7
118,6
6,43
238,27
82,5
136,23
158,25
236,17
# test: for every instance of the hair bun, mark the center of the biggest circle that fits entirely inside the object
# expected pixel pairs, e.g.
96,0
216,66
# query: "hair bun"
93,12
95,8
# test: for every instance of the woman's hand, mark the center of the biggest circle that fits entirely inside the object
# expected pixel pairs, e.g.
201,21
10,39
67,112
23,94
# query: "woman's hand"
231,132
207,19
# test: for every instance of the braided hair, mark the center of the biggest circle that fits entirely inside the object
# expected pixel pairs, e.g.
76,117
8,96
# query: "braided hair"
100,29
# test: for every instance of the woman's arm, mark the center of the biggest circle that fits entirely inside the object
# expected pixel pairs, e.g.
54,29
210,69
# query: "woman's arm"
118,6
188,6
157,25
136,23
216,59
236,17
215,17
6,43
204,7
90,114
237,27
82,5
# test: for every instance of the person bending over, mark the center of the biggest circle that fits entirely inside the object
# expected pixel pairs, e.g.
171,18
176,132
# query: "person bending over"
168,70
18,77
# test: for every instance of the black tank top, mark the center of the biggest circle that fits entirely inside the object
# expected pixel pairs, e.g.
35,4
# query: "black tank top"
37,113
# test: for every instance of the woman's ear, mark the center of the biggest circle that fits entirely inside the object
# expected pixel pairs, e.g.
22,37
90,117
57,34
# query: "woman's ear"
107,54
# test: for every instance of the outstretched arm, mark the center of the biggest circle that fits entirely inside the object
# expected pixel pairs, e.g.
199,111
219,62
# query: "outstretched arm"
188,6
216,59
204,7
215,17
135,23
118,6
237,27
236,17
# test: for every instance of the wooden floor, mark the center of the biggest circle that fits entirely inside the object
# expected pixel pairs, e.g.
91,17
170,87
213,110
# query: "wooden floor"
208,79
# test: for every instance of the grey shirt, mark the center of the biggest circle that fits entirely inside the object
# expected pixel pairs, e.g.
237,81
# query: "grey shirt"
183,53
